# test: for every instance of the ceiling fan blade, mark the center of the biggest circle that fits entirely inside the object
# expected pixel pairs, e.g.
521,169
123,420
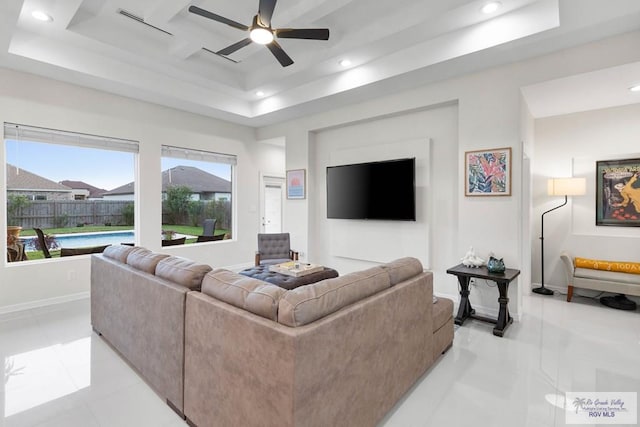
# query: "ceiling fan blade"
222,19
265,11
303,33
236,46
280,54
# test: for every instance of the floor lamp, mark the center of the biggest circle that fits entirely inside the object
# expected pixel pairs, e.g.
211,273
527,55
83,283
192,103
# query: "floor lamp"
557,187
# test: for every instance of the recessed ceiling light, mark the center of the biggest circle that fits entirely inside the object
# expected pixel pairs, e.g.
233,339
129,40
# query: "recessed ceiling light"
41,16
635,88
344,62
491,7
259,93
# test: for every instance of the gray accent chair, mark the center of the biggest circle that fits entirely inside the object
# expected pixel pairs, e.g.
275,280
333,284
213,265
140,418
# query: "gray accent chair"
274,248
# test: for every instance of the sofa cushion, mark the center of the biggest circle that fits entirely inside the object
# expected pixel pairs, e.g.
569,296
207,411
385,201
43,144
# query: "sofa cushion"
442,312
182,271
253,295
307,303
145,260
403,269
618,266
118,252
610,276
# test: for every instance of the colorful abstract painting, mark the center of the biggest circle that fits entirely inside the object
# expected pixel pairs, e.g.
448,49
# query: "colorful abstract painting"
488,172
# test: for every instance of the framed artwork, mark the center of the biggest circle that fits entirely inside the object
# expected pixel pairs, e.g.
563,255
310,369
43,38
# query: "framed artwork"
296,183
618,192
488,172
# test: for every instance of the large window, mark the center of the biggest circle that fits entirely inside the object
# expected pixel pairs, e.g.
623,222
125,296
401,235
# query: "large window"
77,188
196,195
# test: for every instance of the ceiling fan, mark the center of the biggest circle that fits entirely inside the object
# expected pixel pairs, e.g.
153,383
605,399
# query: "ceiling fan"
261,32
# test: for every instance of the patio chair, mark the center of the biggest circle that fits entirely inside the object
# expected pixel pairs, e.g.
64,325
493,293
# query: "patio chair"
43,243
209,227
82,251
274,248
174,242
203,238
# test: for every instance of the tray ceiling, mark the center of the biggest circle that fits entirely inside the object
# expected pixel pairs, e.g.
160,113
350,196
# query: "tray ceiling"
159,52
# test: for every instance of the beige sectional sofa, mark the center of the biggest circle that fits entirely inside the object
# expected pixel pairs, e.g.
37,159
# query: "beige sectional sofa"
240,351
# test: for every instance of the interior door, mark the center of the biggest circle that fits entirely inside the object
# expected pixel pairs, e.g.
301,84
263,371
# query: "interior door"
272,201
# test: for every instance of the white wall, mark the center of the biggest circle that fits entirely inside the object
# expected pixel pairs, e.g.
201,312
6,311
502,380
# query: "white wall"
570,145
489,116
431,136
37,101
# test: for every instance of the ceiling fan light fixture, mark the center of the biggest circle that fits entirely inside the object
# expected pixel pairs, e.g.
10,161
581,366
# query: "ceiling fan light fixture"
41,16
261,35
491,7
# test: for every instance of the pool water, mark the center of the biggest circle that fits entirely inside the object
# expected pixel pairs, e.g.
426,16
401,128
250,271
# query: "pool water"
80,240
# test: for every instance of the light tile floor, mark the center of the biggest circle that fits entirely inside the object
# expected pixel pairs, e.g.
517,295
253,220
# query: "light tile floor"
57,372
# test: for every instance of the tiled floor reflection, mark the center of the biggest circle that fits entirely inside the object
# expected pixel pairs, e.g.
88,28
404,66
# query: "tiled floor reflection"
57,372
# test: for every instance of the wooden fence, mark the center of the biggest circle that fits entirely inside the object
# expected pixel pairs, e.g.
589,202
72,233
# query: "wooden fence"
69,213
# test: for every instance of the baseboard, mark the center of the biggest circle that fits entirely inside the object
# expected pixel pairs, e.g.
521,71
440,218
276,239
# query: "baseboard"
43,302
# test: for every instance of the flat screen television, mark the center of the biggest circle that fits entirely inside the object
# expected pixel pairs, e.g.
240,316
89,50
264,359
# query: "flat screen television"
378,190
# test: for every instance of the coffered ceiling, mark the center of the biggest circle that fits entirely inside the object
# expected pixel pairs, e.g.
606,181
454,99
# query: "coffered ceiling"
155,50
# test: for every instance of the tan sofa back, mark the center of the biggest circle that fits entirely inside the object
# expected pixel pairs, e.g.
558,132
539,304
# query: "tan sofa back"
303,305
142,315
346,369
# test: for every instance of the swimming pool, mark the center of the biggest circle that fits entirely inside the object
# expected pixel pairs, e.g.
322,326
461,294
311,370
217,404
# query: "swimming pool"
80,240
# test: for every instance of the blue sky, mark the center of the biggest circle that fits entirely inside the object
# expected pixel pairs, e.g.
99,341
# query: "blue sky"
101,168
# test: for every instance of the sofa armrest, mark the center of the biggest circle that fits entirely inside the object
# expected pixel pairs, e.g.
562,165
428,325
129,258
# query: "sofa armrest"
567,261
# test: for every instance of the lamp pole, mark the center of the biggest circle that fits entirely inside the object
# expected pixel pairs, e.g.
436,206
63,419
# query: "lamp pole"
542,290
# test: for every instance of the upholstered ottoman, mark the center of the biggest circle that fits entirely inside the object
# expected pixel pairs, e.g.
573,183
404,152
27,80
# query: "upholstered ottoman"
261,272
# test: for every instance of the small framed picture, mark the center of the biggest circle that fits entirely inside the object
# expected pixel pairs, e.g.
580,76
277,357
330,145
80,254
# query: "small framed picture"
296,183
618,192
488,172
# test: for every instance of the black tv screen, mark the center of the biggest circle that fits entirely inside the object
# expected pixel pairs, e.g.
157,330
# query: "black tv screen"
377,190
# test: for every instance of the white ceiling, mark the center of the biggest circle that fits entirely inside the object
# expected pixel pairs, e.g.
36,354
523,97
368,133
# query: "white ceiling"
391,45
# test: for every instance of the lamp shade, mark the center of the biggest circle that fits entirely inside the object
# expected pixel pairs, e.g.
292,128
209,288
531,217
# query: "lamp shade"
566,186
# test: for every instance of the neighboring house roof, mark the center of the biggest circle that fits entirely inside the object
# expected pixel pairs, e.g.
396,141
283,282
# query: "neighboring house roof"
94,192
123,189
22,180
196,179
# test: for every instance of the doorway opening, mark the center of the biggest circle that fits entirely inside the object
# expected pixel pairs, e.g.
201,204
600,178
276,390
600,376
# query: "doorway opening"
271,203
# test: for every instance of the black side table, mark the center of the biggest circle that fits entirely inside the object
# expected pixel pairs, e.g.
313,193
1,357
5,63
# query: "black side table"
465,311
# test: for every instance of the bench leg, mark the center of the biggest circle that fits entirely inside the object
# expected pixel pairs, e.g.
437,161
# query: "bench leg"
569,293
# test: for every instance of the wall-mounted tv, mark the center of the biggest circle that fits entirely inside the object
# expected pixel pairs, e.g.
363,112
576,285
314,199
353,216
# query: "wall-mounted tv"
378,190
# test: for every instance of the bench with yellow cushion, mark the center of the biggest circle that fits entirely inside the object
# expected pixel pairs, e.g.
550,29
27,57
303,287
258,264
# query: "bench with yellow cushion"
621,277
619,266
